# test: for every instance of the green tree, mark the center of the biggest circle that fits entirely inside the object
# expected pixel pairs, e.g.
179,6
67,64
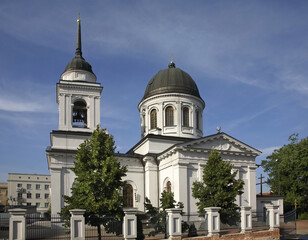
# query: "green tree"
158,216
287,168
219,188
98,182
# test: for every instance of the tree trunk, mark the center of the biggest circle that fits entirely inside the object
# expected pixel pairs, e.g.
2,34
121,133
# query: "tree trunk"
99,232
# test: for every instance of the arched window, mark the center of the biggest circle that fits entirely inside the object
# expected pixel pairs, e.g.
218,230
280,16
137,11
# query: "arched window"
198,119
169,116
185,117
153,119
168,187
79,114
128,196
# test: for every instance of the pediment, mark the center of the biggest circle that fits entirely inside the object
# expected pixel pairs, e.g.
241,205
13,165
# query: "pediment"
222,142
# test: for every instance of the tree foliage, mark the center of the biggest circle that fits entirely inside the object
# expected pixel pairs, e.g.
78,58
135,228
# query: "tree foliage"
287,168
219,188
157,217
98,182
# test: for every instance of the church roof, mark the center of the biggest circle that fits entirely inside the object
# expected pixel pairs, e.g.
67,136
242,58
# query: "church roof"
171,80
78,62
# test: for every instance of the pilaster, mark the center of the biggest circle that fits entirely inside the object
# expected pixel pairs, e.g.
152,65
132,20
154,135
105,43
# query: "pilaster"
56,190
151,180
252,192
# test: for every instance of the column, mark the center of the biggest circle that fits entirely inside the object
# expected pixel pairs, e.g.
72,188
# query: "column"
91,113
213,220
68,109
62,117
174,225
17,224
246,219
130,223
78,224
96,111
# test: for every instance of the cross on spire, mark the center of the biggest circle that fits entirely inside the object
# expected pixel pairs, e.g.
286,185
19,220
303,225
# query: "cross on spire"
171,64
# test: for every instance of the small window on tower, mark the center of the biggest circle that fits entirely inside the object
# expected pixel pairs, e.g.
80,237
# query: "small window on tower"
169,116
185,117
153,119
80,114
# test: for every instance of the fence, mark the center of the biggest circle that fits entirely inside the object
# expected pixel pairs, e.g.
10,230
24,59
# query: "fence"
4,225
170,224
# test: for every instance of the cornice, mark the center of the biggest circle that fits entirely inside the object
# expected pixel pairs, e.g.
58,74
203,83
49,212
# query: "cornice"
171,95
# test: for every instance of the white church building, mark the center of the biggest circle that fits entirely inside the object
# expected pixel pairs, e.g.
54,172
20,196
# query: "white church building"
172,151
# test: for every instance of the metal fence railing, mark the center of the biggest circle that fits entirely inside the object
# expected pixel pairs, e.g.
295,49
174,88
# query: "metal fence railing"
111,229
152,226
53,227
193,225
4,225
260,220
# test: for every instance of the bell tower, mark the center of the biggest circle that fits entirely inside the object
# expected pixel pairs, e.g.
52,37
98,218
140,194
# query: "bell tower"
78,93
78,97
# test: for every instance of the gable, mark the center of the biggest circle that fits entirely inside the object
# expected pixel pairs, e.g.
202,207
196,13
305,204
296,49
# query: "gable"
222,142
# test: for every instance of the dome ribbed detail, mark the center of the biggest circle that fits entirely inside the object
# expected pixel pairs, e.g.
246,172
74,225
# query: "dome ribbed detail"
171,80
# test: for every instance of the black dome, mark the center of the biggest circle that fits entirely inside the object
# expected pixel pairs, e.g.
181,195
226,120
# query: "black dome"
171,80
78,63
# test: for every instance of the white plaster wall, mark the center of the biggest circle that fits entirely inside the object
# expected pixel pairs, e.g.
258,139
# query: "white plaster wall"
78,75
61,141
151,145
135,177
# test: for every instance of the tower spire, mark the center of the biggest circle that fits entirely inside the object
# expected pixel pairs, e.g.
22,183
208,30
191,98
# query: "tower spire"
78,52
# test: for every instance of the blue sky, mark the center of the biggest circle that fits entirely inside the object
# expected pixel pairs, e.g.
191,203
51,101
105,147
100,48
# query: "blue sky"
248,58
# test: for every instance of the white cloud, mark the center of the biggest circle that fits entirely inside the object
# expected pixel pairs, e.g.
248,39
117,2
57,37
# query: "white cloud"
20,106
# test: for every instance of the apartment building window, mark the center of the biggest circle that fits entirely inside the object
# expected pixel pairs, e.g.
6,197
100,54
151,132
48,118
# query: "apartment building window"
19,196
38,186
19,185
46,195
29,195
28,186
46,204
38,204
28,204
46,187
37,195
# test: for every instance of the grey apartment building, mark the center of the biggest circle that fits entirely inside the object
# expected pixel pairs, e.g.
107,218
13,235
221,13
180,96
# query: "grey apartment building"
29,190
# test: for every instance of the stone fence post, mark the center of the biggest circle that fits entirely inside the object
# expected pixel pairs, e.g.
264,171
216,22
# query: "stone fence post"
213,220
274,218
246,219
174,222
130,223
17,224
78,228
